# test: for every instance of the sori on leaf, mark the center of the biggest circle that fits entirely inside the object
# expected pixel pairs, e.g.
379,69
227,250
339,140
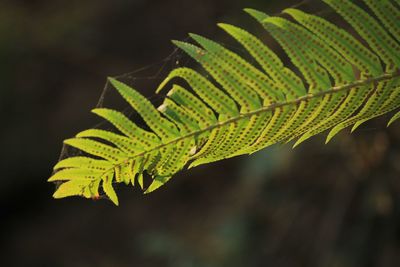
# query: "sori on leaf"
340,80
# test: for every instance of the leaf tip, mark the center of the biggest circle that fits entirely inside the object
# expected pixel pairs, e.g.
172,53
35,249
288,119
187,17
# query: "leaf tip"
290,11
157,183
222,25
162,108
194,35
69,141
330,136
355,126
394,118
258,15
297,143
176,42
112,80
328,139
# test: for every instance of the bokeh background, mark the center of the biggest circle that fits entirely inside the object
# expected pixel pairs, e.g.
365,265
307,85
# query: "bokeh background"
316,205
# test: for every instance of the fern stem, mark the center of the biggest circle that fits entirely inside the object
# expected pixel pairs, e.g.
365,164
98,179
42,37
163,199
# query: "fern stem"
332,90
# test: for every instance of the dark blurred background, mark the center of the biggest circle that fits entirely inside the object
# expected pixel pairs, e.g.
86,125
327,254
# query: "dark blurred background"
317,205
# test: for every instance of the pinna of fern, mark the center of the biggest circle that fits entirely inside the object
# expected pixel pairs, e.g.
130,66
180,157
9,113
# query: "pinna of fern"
344,80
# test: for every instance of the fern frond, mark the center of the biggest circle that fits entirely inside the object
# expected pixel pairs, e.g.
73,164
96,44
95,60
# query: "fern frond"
243,108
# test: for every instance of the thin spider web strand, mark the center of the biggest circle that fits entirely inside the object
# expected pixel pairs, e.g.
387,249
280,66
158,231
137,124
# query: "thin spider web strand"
169,58
64,153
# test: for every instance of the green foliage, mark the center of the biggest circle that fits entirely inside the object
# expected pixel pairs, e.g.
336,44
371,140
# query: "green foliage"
343,81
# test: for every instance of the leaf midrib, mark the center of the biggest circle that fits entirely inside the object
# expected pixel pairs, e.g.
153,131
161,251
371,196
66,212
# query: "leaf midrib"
332,90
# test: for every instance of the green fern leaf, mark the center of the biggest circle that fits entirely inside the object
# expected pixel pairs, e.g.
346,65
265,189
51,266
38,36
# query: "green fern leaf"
338,80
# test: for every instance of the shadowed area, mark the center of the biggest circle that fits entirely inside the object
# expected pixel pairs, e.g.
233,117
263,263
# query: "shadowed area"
316,205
